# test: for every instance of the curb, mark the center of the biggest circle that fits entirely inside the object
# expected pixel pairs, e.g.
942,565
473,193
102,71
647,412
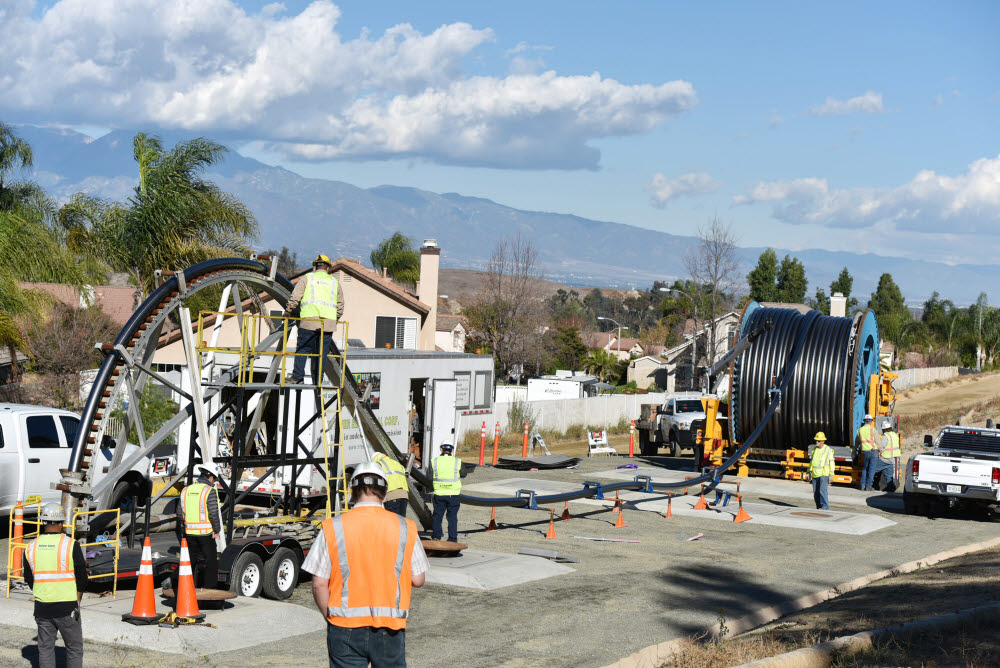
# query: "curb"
822,654
654,655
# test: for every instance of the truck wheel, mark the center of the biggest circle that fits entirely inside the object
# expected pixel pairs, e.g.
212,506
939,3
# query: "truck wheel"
247,578
281,574
674,448
646,449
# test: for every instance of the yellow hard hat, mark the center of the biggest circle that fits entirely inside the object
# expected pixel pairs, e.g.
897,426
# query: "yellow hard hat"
820,436
322,259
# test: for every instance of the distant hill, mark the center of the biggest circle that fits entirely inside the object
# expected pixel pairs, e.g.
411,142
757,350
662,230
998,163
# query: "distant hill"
340,219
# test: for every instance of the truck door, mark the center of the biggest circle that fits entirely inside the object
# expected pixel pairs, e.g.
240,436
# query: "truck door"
11,483
439,425
45,454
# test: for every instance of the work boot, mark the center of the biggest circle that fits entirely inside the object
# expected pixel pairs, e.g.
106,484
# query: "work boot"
293,381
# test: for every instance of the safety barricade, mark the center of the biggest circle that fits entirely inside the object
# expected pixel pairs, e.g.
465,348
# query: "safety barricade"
597,444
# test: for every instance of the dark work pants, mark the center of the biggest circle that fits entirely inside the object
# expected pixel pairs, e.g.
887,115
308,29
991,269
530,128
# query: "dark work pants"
441,505
356,648
72,633
203,546
308,343
397,506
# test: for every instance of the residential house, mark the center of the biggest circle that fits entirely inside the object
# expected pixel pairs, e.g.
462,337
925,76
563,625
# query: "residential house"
622,349
117,302
450,333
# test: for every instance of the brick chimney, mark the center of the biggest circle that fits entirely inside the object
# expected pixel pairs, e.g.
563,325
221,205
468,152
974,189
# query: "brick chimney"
427,290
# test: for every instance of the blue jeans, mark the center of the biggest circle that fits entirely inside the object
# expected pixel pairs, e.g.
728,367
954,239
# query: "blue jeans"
821,492
868,471
397,506
308,343
442,504
355,648
887,469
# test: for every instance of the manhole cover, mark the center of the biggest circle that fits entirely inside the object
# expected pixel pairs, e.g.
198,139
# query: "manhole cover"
804,513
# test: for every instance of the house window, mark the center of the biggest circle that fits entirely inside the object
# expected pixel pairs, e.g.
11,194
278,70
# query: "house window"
393,332
731,336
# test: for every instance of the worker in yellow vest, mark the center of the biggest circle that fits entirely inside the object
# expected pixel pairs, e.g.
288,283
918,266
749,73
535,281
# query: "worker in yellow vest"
888,456
820,470
867,440
446,471
320,304
366,613
397,497
56,571
202,524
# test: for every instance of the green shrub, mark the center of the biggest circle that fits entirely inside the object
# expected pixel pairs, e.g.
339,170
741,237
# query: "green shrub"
575,431
519,412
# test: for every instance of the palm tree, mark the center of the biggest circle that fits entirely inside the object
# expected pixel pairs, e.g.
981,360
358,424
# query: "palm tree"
396,257
32,246
603,364
174,218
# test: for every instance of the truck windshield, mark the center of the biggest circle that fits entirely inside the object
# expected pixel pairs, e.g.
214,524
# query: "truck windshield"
692,406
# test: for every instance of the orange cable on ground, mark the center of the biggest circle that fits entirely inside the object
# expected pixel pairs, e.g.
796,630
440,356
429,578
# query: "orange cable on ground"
144,605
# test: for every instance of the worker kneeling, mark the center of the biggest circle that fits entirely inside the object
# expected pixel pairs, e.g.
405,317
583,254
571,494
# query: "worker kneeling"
364,563
820,470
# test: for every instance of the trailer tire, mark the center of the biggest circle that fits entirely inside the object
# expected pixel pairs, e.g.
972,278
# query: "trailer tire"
646,448
247,578
281,574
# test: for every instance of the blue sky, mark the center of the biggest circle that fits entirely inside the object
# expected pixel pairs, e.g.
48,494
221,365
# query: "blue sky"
841,126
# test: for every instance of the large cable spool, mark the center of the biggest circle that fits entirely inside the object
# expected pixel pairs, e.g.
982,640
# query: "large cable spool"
829,387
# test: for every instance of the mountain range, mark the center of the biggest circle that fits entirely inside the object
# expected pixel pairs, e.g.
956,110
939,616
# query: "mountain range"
309,215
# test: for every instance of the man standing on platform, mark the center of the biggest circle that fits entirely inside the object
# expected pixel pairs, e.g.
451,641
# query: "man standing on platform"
446,473
320,303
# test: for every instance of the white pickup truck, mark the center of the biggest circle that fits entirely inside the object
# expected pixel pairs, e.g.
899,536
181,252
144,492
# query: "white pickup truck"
962,471
35,442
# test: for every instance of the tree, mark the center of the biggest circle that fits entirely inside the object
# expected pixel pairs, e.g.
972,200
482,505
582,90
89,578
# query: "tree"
821,303
887,299
762,278
568,351
714,265
174,217
288,262
792,284
603,364
506,314
843,284
396,257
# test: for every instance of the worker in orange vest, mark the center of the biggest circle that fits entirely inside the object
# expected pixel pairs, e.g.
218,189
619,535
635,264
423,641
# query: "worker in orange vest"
366,612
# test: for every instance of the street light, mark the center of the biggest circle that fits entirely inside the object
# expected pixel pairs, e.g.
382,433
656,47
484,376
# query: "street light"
694,335
620,328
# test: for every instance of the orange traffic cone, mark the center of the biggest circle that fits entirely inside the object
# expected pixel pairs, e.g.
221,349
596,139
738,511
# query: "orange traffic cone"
670,512
620,522
565,515
144,605
741,515
186,604
702,504
493,520
552,523
618,502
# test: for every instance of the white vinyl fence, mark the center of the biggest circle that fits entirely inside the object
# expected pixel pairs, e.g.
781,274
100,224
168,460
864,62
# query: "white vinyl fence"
913,377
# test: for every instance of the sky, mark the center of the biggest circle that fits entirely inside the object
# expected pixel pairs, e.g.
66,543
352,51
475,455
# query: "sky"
845,126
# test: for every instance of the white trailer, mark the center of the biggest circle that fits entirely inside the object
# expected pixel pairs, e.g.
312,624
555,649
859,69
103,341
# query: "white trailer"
561,386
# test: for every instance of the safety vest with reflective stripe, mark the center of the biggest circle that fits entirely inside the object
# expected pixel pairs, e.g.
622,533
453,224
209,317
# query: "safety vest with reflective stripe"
51,559
320,297
447,471
868,437
371,552
821,463
891,448
194,506
395,474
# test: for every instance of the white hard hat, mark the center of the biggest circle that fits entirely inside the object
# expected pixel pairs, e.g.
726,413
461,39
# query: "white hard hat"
868,417
52,512
209,470
888,425
369,474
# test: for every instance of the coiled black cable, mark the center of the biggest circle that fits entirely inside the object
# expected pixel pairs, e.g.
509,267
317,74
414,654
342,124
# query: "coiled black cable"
819,395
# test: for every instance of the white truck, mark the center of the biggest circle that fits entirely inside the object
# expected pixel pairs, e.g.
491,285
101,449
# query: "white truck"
961,471
669,424
35,442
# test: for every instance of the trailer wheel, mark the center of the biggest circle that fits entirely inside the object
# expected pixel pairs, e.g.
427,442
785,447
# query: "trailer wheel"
281,574
247,576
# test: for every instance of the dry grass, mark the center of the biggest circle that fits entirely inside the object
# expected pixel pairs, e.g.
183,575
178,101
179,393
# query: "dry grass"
974,644
742,649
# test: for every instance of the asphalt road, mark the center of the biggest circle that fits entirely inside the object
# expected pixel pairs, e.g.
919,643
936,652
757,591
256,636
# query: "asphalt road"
622,597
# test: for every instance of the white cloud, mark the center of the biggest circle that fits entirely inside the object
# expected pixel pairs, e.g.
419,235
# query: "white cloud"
869,103
664,189
209,66
965,204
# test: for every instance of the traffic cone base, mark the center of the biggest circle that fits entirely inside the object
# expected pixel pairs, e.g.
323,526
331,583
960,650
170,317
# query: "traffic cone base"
186,604
493,520
670,512
552,525
702,503
620,522
144,605
741,515
565,514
